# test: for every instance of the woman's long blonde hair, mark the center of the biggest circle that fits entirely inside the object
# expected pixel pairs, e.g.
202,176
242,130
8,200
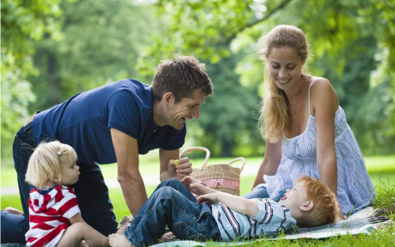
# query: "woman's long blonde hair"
274,115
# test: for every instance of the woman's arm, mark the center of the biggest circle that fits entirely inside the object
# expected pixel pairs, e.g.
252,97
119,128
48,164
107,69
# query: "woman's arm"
271,161
324,104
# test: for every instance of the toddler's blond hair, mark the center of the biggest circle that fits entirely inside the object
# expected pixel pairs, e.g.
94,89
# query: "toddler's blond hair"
45,163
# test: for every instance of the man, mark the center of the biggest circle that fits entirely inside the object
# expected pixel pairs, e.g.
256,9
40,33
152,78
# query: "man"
115,123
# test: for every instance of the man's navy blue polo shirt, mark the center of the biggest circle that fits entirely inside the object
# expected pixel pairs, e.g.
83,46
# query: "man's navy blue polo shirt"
84,122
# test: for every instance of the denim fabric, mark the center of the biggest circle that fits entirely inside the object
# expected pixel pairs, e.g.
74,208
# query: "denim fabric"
261,192
14,227
91,191
172,204
93,199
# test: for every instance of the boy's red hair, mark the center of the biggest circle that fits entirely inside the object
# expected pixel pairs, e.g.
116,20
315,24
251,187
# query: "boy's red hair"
326,207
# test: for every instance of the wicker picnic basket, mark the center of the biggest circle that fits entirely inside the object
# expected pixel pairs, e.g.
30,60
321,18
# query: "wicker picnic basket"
221,177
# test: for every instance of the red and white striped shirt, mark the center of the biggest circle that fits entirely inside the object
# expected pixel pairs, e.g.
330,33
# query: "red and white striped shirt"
49,215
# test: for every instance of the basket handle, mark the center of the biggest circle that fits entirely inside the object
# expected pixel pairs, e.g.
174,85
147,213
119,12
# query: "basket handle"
197,148
237,159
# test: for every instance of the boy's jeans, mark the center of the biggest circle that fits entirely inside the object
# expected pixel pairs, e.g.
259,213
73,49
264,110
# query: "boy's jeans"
172,204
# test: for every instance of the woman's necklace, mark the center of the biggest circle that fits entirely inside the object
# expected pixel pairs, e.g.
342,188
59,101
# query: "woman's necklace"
294,105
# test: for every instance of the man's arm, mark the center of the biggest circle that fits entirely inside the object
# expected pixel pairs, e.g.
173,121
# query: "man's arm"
129,177
167,167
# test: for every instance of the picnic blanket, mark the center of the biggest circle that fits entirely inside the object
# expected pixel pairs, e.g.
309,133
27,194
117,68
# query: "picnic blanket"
364,221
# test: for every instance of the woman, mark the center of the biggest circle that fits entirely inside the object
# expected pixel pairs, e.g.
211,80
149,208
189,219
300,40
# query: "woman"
306,130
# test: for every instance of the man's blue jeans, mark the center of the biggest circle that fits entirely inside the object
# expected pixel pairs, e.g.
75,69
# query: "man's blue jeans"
172,204
92,193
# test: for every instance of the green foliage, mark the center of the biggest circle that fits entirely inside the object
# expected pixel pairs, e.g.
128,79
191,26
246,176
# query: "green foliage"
228,118
385,198
52,49
203,28
22,22
351,45
101,44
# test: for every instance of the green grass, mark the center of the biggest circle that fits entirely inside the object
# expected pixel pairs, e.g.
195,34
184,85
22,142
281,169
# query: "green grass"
374,165
381,170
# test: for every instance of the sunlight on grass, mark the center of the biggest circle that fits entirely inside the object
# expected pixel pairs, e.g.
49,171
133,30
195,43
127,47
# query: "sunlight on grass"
150,165
382,237
383,175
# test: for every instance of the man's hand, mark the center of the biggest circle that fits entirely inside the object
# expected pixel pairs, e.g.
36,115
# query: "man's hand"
211,198
182,167
169,167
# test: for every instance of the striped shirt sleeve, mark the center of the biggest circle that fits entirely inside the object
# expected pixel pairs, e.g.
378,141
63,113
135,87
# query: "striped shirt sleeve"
68,204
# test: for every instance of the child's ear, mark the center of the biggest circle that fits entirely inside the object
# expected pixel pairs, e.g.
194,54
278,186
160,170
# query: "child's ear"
307,206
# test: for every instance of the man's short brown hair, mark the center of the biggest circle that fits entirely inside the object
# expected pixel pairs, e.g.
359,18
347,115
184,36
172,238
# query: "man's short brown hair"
181,76
326,207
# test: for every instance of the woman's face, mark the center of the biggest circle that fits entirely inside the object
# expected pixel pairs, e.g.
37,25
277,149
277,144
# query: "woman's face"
285,67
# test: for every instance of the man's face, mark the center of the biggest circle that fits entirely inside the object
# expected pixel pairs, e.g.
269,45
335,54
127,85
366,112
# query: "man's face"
186,109
295,198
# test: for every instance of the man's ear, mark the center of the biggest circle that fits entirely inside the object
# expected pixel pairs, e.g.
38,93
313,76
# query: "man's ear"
167,98
307,206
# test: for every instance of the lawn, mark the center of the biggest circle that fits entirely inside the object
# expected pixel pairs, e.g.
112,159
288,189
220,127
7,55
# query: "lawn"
381,170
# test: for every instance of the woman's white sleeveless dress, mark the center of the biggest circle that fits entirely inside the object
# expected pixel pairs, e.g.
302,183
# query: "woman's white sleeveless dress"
354,187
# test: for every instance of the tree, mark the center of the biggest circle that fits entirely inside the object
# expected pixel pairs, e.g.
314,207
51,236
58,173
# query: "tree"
342,34
101,44
22,23
228,118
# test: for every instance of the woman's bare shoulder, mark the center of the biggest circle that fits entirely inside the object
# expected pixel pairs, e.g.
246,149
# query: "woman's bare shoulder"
322,85
323,93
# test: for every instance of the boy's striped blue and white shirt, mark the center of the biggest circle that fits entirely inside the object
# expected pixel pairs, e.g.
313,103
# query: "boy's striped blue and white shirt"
272,218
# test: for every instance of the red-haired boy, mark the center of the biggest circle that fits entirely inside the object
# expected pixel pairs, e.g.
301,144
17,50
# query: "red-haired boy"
309,203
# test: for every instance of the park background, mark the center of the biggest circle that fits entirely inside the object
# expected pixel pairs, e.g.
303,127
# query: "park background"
53,49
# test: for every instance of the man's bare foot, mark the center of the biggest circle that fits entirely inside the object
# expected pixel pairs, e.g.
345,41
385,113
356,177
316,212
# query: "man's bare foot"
118,240
13,211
